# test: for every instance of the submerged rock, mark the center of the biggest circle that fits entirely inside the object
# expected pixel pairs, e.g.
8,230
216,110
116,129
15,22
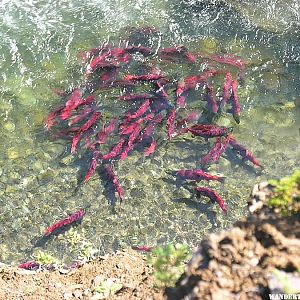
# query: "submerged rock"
9,126
209,45
12,153
269,81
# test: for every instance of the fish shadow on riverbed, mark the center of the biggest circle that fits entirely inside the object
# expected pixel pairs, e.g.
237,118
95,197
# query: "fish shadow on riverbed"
42,241
237,161
191,201
109,189
194,201
179,181
201,207
176,180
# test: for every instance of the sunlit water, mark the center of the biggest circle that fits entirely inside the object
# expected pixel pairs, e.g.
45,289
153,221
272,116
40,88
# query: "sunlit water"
39,44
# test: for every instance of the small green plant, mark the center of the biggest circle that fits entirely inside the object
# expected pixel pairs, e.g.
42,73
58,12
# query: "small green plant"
78,242
168,263
87,251
107,288
44,258
74,237
286,194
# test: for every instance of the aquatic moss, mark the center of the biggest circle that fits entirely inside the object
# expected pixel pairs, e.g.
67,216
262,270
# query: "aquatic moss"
286,195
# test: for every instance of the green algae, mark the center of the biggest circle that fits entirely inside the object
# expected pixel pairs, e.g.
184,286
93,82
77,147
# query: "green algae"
209,45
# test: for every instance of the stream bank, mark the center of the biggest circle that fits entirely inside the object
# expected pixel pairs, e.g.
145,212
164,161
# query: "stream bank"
258,256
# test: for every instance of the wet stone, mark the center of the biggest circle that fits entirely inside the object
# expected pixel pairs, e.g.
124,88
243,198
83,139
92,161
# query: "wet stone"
6,107
26,96
224,122
9,126
38,166
270,81
47,175
54,149
29,182
12,153
209,45
67,160
11,190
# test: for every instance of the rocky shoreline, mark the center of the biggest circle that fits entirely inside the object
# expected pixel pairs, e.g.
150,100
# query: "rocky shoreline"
249,261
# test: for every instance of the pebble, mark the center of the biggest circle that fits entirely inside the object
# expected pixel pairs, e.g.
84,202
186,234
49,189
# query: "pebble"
256,205
97,280
6,106
67,160
270,81
96,297
28,181
68,295
87,293
225,163
38,166
78,294
254,261
26,96
9,126
209,45
223,121
11,189
12,153
54,149
63,271
46,175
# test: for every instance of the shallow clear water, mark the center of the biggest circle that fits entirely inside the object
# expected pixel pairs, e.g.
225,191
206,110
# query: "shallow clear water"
39,44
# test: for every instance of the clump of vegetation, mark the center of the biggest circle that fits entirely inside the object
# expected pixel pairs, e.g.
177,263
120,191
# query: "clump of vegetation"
87,251
80,244
286,194
74,238
168,263
107,288
44,258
